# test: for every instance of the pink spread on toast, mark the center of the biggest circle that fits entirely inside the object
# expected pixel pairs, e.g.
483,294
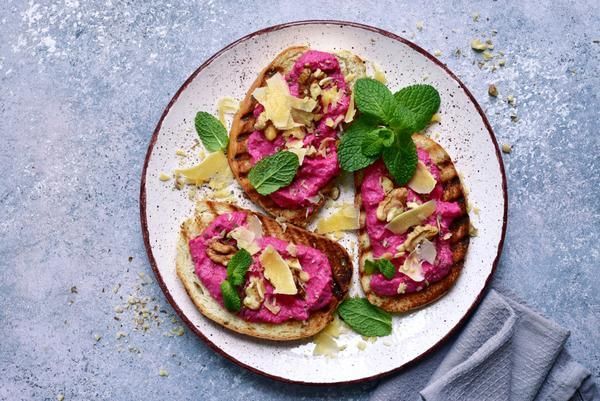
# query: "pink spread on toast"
316,170
318,292
383,240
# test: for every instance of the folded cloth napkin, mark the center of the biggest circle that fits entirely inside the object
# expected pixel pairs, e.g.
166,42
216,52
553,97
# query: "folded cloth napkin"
507,352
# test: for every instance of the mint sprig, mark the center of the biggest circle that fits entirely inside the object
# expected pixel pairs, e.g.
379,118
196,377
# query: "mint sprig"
238,266
384,266
385,126
365,318
274,172
211,132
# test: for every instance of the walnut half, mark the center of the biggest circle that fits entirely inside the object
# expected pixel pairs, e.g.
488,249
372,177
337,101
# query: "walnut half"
220,252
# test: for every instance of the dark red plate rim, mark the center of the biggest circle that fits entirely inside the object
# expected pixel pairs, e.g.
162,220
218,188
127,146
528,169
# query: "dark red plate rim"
153,141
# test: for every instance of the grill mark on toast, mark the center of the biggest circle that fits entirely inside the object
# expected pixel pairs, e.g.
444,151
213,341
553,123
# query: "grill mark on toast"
211,208
242,156
247,116
453,190
242,137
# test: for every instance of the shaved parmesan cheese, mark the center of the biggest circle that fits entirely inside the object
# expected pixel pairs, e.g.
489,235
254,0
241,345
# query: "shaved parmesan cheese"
254,225
207,168
412,205
351,110
343,219
294,264
227,105
295,146
413,268
334,329
402,222
278,102
426,251
245,239
277,272
315,90
330,97
292,249
221,180
378,74
325,345
422,182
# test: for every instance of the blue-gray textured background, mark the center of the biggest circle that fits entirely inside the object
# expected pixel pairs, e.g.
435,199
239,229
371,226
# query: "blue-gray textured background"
83,85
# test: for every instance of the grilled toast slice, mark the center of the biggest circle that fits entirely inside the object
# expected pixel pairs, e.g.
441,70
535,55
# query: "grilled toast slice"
341,267
452,192
240,160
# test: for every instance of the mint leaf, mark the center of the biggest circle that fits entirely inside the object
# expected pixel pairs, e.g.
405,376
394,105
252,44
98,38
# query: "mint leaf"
374,142
238,266
231,298
211,132
274,172
371,145
387,136
401,159
373,98
364,318
386,267
403,119
370,266
422,100
350,148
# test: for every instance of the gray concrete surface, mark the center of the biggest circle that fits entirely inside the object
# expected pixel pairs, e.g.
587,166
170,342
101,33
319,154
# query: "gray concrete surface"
83,84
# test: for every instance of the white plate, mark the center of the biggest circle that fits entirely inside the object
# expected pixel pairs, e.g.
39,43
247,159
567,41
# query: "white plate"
464,132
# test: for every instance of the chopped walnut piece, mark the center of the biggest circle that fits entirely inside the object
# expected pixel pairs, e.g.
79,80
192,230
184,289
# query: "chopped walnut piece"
387,185
220,252
335,193
304,76
271,305
392,204
417,235
324,146
261,121
255,293
297,133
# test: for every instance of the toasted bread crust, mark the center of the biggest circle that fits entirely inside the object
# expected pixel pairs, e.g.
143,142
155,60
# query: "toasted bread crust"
453,192
341,266
243,125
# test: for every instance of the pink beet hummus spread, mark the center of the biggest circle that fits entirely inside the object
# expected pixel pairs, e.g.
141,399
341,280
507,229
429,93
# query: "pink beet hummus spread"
383,240
316,170
292,307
